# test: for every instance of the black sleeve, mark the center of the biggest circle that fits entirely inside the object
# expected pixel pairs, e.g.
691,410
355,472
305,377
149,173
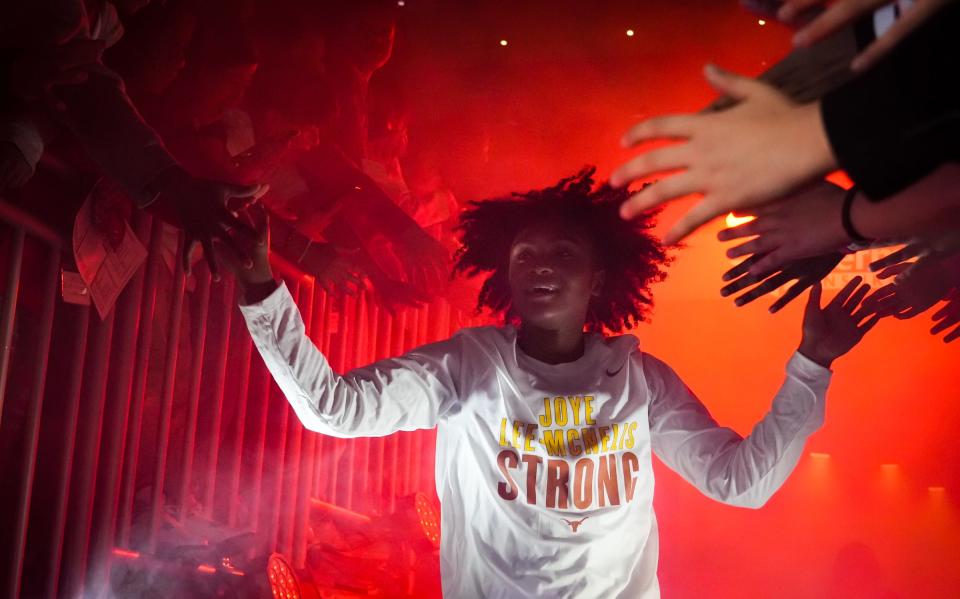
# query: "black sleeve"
900,120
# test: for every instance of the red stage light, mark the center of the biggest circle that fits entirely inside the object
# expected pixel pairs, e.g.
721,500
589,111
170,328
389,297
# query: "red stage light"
283,579
429,518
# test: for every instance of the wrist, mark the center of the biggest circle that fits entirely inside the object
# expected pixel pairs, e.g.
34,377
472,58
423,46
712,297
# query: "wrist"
255,292
847,218
819,153
815,354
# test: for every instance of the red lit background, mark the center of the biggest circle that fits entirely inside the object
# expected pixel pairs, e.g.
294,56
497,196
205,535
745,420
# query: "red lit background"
871,510
560,95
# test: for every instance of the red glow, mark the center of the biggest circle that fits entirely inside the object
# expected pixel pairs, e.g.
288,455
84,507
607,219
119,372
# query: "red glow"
283,579
206,569
126,553
339,511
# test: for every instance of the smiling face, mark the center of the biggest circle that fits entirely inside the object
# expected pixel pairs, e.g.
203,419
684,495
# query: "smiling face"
553,276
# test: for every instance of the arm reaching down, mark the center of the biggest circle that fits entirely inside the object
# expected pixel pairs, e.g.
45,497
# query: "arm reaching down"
406,393
724,466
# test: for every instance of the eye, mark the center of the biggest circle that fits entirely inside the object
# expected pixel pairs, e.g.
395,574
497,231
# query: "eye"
522,255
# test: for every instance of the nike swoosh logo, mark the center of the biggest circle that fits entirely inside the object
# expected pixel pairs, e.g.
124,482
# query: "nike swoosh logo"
615,372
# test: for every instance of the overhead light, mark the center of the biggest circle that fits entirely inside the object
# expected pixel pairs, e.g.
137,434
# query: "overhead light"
503,42
761,22
630,32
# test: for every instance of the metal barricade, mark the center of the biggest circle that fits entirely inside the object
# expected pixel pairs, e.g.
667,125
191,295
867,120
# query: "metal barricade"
117,428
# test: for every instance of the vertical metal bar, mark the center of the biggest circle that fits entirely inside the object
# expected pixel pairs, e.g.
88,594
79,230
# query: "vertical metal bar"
166,401
374,463
221,349
131,453
308,455
393,475
65,460
87,455
321,335
290,489
29,457
324,445
11,287
234,465
115,423
259,394
193,404
266,496
396,440
417,460
340,364
361,446
381,453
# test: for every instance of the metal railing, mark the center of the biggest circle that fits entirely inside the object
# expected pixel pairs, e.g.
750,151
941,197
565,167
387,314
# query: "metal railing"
162,412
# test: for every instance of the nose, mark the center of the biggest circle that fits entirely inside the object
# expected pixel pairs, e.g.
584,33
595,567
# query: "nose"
542,268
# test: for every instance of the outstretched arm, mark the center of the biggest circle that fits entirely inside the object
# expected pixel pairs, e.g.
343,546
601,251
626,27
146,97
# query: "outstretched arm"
399,394
723,465
747,471
407,393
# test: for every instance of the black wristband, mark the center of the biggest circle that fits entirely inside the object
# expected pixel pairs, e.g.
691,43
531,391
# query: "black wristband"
845,216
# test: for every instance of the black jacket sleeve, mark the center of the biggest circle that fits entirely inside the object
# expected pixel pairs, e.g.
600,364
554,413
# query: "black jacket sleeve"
900,120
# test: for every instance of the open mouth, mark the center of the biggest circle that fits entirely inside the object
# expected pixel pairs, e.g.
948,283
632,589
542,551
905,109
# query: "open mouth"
543,290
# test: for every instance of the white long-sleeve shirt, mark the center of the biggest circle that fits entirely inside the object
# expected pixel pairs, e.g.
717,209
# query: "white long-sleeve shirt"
544,471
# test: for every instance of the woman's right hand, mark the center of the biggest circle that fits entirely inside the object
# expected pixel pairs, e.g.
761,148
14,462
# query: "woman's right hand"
254,267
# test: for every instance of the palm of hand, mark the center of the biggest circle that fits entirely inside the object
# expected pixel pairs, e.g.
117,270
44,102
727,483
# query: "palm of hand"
832,331
918,288
802,225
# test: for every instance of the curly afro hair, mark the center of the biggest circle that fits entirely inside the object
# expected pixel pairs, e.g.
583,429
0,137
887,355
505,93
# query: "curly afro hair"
630,256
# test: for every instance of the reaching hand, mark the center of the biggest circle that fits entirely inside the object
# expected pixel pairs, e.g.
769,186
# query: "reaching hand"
333,269
202,208
748,155
948,316
425,260
898,260
14,168
805,271
249,257
917,288
843,12
830,332
802,225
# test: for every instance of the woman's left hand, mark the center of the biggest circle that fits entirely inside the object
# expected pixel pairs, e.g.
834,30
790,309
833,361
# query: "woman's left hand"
832,331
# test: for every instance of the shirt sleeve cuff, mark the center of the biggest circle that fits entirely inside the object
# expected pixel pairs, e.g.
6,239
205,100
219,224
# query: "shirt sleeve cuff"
269,305
807,370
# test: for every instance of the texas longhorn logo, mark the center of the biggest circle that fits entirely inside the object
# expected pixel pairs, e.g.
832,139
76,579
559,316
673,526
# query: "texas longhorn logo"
576,523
